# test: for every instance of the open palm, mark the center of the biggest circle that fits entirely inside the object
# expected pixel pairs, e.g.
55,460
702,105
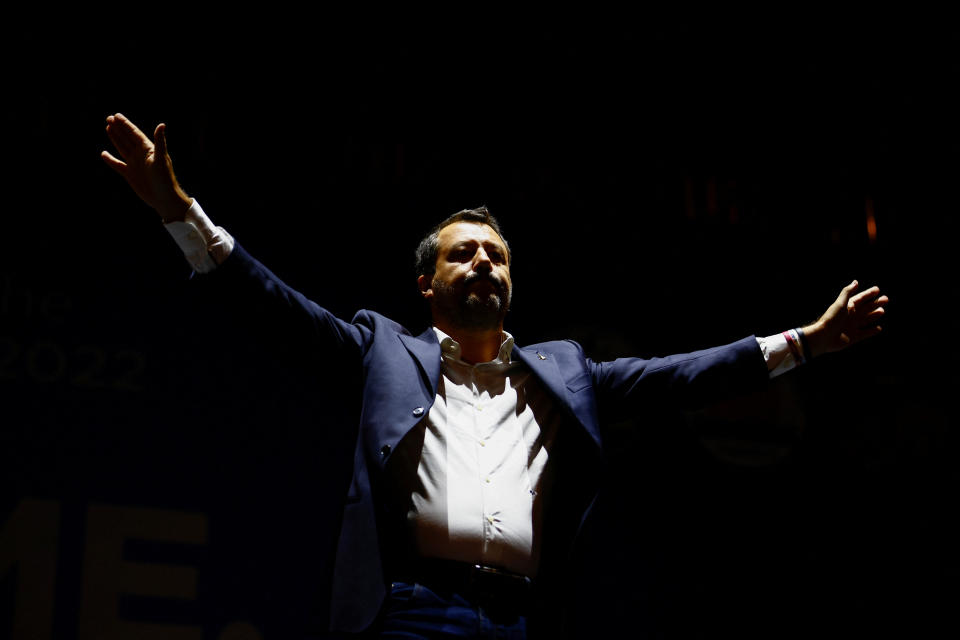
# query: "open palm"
146,166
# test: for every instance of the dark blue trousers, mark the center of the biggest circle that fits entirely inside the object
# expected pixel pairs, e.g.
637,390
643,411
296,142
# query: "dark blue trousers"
414,611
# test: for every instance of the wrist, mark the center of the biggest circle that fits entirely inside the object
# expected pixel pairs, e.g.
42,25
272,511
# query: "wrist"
814,339
176,209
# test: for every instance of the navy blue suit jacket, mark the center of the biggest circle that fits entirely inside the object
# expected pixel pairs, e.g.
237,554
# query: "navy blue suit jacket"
399,374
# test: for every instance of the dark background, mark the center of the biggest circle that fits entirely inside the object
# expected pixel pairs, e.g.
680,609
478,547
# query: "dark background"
666,184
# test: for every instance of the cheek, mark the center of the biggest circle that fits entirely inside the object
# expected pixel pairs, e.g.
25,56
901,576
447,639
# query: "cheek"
440,285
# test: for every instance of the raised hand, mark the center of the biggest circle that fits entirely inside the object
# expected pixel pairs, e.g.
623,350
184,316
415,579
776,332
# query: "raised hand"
146,166
850,319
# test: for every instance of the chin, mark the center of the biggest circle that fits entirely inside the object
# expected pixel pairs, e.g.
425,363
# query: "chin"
485,313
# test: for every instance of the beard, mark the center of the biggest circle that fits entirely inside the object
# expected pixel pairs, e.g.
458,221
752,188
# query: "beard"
484,308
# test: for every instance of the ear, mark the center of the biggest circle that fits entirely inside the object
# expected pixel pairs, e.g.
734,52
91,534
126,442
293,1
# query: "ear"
425,284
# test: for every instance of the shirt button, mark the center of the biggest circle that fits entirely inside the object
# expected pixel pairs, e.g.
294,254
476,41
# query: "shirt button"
385,450
482,443
488,480
418,412
490,519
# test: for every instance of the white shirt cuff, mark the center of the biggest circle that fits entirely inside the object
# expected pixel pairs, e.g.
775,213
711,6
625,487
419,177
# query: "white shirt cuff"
203,244
778,354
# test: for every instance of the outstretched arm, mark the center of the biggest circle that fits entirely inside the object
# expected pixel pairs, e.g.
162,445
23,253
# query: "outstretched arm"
850,319
146,166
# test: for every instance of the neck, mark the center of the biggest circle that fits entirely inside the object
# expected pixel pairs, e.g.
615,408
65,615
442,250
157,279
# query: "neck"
476,345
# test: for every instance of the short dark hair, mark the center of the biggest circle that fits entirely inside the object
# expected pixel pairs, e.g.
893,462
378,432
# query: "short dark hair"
429,246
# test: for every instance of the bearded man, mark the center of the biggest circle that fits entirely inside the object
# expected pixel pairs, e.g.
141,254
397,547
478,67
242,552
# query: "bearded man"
476,460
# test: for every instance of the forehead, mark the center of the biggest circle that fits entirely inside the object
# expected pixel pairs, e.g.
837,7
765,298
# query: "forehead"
464,232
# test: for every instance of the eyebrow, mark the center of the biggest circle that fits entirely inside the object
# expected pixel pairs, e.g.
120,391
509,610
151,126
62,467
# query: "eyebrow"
473,243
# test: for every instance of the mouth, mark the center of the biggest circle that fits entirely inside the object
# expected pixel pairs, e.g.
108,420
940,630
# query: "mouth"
484,288
483,283
483,279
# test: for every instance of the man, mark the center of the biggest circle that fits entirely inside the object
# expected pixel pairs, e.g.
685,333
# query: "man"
476,460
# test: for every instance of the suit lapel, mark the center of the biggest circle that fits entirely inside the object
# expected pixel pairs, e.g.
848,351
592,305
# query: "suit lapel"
426,351
545,367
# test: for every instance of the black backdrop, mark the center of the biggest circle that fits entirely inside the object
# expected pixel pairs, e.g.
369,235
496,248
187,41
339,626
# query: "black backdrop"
665,186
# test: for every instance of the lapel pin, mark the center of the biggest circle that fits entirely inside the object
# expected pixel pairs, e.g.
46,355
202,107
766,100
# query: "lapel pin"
541,356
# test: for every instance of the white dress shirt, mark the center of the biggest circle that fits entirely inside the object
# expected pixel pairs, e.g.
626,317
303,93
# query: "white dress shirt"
472,471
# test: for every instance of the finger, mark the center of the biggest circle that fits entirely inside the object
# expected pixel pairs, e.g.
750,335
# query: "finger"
124,143
865,295
129,133
872,305
117,165
129,127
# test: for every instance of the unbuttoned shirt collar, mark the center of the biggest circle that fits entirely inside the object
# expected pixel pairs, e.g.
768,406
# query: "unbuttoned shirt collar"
450,349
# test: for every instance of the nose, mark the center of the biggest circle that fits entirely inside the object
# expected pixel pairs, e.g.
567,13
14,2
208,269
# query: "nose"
481,261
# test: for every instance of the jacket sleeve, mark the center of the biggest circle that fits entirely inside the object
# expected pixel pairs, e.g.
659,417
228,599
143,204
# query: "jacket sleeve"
250,289
627,385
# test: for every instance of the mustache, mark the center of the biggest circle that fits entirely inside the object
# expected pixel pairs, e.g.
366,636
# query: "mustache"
481,277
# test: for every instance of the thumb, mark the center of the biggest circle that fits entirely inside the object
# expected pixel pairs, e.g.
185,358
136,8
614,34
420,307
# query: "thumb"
160,139
848,290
